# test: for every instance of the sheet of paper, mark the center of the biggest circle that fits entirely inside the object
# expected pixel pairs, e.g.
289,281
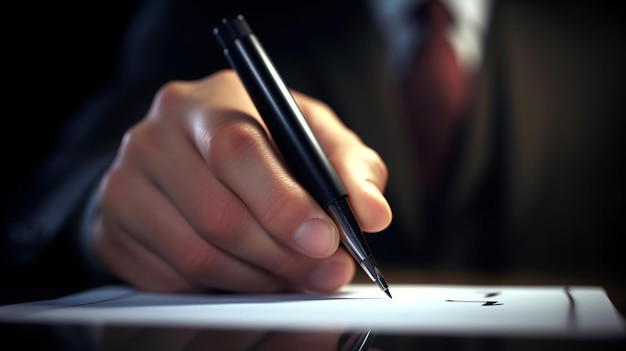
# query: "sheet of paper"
421,309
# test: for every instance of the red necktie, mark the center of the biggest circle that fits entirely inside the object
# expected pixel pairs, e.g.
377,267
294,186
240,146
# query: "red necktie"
436,95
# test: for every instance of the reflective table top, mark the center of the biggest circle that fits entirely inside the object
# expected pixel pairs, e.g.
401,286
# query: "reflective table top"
118,336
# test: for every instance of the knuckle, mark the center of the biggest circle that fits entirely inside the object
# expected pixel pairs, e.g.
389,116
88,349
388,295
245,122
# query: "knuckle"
170,93
139,143
223,74
231,141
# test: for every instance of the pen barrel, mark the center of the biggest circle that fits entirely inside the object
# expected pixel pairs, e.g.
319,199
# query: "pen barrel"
282,116
351,234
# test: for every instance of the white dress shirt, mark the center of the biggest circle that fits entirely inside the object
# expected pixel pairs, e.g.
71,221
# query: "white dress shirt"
402,34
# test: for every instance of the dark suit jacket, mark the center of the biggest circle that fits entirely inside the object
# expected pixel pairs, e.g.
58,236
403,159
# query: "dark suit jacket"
536,182
540,177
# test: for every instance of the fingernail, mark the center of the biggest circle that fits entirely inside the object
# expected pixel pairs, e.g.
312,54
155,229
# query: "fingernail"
330,275
315,237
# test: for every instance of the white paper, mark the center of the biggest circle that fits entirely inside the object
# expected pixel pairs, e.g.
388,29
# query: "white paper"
416,309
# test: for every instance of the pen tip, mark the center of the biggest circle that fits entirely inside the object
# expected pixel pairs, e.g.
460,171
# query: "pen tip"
382,284
370,267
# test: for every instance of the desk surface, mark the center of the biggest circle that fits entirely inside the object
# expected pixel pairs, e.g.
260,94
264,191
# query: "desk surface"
131,337
616,290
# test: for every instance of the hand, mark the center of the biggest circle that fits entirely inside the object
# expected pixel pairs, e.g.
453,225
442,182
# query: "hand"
198,198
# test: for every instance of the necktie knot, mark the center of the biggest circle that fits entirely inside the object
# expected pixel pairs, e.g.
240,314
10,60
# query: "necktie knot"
433,13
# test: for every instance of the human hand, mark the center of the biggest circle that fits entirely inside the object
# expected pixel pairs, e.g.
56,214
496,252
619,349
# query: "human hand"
198,198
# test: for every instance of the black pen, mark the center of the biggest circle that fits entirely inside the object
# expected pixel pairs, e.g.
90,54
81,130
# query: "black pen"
293,136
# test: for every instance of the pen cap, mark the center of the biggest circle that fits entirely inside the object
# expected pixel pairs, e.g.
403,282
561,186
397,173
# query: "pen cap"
279,111
230,30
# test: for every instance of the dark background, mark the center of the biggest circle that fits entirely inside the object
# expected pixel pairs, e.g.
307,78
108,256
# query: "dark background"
55,54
